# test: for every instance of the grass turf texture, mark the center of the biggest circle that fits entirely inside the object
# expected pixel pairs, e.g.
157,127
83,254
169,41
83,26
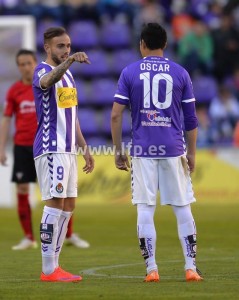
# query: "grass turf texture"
111,230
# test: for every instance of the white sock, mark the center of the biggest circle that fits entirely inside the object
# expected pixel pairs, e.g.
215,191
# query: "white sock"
187,234
48,235
62,229
147,235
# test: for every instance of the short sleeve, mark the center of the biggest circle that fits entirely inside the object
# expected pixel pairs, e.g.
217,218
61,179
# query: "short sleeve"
9,104
122,93
40,71
188,95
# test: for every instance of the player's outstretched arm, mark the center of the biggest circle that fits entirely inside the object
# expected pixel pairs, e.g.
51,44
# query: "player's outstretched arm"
55,75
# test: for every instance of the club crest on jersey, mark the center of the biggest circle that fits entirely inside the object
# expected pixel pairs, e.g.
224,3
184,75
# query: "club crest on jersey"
59,188
151,116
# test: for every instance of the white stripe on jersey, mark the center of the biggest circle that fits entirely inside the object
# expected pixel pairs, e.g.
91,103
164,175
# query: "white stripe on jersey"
73,118
122,97
73,141
189,100
61,121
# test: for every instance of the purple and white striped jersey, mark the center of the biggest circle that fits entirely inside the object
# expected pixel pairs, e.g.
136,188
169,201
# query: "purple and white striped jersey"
158,92
56,109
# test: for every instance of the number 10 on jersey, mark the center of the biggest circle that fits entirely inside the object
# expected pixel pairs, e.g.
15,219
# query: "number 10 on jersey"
154,91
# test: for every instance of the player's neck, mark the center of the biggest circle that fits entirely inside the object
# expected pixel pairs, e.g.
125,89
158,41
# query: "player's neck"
27,81
51,62
157,52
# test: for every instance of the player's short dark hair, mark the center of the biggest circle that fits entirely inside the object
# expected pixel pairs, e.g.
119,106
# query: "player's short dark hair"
52,32
154,36
25,52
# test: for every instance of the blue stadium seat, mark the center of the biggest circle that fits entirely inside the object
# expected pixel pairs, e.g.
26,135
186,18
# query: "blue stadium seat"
99,65
82,93
126,123
88,121
115,35
96,141
122,58
102,91
84,35
205,88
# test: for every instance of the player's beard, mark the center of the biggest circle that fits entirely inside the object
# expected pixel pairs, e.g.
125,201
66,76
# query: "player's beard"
56,60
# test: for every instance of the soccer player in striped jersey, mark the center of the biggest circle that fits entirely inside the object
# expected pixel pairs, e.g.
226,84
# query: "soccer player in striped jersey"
159,92
55,147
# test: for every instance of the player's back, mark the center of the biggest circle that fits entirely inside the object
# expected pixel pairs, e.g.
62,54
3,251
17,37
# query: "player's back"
156,87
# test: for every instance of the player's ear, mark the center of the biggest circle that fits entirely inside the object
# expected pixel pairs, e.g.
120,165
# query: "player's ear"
143,45
46,48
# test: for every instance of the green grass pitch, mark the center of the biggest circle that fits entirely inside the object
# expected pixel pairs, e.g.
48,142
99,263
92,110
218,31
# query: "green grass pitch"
112,268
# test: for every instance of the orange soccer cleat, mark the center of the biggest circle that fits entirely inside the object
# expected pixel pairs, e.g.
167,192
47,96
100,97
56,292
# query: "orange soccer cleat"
193,276
153,276
61,276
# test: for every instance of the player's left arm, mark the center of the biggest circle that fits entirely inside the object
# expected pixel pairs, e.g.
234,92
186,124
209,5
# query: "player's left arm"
121,160
191,137
190,120
89,160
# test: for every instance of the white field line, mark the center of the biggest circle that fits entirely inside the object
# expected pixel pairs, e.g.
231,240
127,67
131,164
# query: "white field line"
92,271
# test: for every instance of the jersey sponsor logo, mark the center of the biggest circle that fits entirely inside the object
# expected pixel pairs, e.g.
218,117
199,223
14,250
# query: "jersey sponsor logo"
66,97
27,106
154,119
59,188
41,72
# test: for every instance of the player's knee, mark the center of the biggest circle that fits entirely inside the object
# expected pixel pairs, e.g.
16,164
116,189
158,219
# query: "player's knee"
23,188
69,205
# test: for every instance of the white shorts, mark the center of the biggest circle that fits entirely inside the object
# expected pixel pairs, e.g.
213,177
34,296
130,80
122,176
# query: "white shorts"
168,176
57,175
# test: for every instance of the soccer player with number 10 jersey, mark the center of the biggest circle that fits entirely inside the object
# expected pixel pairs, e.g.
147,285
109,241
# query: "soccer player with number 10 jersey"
159,92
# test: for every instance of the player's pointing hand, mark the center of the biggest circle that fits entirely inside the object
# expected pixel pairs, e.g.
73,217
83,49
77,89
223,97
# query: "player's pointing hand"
81,57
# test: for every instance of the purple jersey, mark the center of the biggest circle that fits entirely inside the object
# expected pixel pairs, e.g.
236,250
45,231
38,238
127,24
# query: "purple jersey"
157,91
56,109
